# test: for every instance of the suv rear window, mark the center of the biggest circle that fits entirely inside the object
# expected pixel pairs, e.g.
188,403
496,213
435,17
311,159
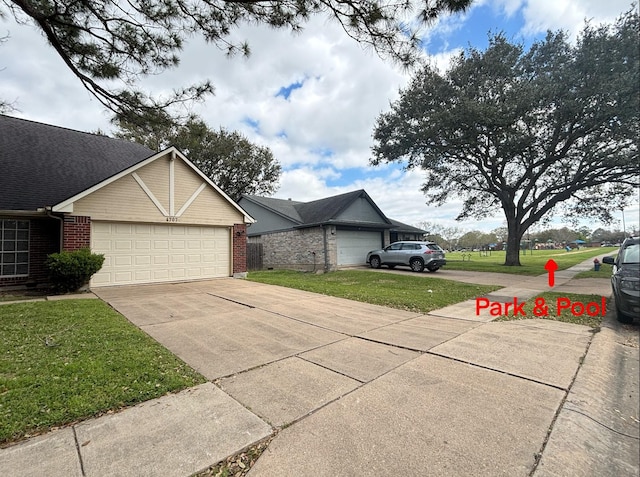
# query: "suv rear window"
433,246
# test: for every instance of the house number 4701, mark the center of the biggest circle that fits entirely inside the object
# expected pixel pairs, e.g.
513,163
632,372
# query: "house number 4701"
172,219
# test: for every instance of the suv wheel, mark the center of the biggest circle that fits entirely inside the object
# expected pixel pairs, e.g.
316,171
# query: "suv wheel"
622,318
417,265
433,269
374,262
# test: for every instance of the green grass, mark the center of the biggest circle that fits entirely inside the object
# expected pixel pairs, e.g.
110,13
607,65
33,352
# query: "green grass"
532,264
566,314
605,272
67,360
406,292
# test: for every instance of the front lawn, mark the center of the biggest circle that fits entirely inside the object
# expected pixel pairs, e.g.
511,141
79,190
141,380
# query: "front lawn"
67,360
532,263
406,292
566,307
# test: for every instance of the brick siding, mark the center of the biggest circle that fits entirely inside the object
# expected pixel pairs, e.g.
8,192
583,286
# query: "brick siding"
301,249
239,249
77,233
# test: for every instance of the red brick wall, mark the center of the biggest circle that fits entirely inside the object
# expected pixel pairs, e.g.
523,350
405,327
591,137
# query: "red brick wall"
44,239
239,248
77,233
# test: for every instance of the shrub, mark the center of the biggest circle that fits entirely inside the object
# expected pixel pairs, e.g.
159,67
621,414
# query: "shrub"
69,271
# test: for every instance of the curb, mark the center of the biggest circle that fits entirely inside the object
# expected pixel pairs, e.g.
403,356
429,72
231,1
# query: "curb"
597,431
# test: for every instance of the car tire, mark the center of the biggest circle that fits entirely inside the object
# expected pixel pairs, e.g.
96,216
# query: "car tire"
374,262
433,269
416,264
622,318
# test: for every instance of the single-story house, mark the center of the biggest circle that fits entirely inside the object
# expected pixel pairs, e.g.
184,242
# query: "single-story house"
402,231
154,215
324,234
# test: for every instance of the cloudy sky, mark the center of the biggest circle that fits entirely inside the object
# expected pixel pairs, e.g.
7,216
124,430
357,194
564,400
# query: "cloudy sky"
312,98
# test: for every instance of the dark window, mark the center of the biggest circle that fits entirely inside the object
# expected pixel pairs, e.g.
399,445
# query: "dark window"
14,247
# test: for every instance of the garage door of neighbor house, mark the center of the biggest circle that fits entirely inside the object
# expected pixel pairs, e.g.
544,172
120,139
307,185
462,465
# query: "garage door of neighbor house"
353,246
151,253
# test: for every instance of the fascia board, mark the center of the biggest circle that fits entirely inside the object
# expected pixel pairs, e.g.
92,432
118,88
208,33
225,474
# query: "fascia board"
67,205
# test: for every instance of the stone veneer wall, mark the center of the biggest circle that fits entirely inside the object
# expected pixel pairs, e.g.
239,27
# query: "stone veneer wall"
301,249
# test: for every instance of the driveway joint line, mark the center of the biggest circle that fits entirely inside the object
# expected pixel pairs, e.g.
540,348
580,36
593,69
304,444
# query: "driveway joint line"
305,322
533,380
232,301
330,369
75,440
560,407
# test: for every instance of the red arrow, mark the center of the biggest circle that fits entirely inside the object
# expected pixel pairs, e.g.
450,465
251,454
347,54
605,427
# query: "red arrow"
551,267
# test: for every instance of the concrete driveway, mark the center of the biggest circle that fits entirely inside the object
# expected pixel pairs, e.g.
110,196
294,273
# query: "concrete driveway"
360,389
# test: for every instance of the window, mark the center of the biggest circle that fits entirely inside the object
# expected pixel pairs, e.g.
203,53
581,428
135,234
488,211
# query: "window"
14,248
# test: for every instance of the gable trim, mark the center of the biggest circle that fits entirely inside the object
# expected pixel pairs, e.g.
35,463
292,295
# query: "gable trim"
147,191
189,201
67,205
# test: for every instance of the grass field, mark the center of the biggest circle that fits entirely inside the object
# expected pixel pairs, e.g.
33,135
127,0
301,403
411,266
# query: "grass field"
62,361
406,292
532,263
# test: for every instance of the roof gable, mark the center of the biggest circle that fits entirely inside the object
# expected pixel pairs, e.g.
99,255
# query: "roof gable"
351,208
43,165
342,208
167,207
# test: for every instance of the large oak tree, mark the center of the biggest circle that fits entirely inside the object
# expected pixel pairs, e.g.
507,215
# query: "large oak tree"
106,42
552,129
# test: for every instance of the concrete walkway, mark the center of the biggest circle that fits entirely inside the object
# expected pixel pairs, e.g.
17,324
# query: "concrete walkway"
357,389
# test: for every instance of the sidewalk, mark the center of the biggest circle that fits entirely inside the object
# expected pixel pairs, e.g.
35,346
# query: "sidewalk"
594,423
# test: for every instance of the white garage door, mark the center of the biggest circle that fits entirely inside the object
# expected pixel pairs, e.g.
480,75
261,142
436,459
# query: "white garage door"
353,246
147,253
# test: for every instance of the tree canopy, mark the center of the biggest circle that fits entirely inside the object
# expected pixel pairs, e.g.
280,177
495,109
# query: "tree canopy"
550,130
101,41
228,158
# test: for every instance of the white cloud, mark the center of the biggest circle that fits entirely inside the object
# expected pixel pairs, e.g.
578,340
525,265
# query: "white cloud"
569,15
345,88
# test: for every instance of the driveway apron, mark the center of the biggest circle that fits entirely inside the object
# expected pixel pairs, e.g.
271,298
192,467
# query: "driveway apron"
359,389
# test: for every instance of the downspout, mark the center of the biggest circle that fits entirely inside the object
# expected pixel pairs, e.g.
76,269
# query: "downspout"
50,215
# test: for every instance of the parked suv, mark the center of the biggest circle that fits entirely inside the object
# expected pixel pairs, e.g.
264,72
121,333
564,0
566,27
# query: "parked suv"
417,255
625,280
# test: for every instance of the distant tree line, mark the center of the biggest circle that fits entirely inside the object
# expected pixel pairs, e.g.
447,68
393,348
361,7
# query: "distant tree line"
457,238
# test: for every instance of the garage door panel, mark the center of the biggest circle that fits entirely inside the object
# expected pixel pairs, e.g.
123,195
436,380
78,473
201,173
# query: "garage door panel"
143,276
123,260
143,245
353,246
143,260
139,253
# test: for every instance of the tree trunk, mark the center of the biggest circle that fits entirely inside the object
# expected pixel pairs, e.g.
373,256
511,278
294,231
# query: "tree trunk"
512,258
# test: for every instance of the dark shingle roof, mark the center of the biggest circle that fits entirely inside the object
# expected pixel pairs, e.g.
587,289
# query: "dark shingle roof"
400,227
324,210
42,165
321,211
285,208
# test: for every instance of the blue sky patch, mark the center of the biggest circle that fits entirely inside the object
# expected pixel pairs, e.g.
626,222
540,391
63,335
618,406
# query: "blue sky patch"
285,91
475,30
323,152
252,123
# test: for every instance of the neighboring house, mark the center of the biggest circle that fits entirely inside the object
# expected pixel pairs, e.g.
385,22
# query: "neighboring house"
324,234
402,231
154,216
